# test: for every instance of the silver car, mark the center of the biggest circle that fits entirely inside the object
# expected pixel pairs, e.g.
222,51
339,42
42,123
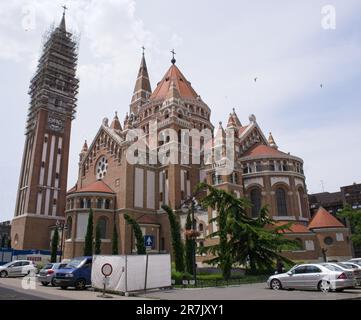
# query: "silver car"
17,268
355,260
355,268
313,277
47,274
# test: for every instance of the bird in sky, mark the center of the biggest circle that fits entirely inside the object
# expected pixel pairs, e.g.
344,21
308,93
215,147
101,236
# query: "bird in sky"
255,79
321,85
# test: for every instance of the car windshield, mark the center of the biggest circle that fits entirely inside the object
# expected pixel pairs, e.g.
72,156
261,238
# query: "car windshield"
347,266
7,264
48,266
62,265
75,263
332,267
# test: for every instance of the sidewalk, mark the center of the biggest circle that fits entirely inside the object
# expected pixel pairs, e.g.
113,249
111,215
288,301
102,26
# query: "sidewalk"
53,293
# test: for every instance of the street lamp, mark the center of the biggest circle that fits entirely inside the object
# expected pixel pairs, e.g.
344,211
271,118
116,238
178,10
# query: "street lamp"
61,226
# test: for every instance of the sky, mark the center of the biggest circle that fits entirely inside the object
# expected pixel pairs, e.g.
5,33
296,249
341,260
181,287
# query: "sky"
221,47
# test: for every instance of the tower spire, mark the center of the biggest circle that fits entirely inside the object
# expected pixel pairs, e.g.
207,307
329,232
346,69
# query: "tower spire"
173,59
142,89
62,23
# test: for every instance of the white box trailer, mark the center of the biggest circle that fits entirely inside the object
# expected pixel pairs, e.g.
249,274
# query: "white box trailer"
132,272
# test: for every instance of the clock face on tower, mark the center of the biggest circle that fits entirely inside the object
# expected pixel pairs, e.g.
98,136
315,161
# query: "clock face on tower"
55,124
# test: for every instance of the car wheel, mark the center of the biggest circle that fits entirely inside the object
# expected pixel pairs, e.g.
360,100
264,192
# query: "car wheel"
276,284
64,287
339,290
44,283
80,284
3,274
53,283
324,286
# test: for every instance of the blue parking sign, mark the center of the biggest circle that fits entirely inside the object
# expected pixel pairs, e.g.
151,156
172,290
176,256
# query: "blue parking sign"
149,241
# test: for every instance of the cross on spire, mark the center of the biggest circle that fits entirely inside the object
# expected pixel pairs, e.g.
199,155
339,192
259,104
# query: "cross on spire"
173,59
65,8
143,48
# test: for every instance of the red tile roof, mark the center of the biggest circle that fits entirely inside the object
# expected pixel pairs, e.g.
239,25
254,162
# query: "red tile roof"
295,227
263,150
182,84
324,219
98,186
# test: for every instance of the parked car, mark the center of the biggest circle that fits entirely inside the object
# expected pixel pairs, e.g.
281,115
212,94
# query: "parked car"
77,273
313,277
17,268
47,274
355,268
355,260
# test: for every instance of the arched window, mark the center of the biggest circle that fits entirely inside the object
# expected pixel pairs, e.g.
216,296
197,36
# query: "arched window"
102,222
88,203
107,204
200,227
256,202
99,203
82,204
69,226
281,202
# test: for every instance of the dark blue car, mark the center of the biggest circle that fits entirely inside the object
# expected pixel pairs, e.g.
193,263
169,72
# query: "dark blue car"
76,274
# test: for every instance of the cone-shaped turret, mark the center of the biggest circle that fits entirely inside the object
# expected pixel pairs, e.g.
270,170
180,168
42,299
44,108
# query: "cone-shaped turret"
83,151
142,89
85,147
174,77
116,123
236,119
272,142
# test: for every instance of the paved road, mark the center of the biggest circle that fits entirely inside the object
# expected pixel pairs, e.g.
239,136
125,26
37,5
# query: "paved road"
12,289
257,291
8,294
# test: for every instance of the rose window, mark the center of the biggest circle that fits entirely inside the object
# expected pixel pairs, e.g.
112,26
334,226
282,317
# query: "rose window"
102,168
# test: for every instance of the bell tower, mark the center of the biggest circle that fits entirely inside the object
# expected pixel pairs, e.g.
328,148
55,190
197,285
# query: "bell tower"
43,177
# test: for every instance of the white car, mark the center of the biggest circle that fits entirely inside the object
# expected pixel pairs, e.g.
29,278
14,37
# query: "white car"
313,277
355,260
356,270
17,268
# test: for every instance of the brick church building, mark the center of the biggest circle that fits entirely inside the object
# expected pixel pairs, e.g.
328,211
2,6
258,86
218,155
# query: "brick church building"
112,186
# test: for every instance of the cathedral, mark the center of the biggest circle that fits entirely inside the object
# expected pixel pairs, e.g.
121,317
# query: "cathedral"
112,185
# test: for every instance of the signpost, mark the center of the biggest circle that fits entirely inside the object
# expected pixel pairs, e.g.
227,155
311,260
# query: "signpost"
107,270
149,242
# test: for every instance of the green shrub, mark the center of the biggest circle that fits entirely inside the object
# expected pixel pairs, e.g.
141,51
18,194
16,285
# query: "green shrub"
180,276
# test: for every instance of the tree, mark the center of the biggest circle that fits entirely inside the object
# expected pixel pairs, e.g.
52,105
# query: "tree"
89,237
177,244
54,245
255,243
3,241
98,241
138,234
354,218
9,243
189,246
115,240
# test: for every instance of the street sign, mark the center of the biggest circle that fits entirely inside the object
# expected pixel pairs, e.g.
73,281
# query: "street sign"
107,269
149,242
